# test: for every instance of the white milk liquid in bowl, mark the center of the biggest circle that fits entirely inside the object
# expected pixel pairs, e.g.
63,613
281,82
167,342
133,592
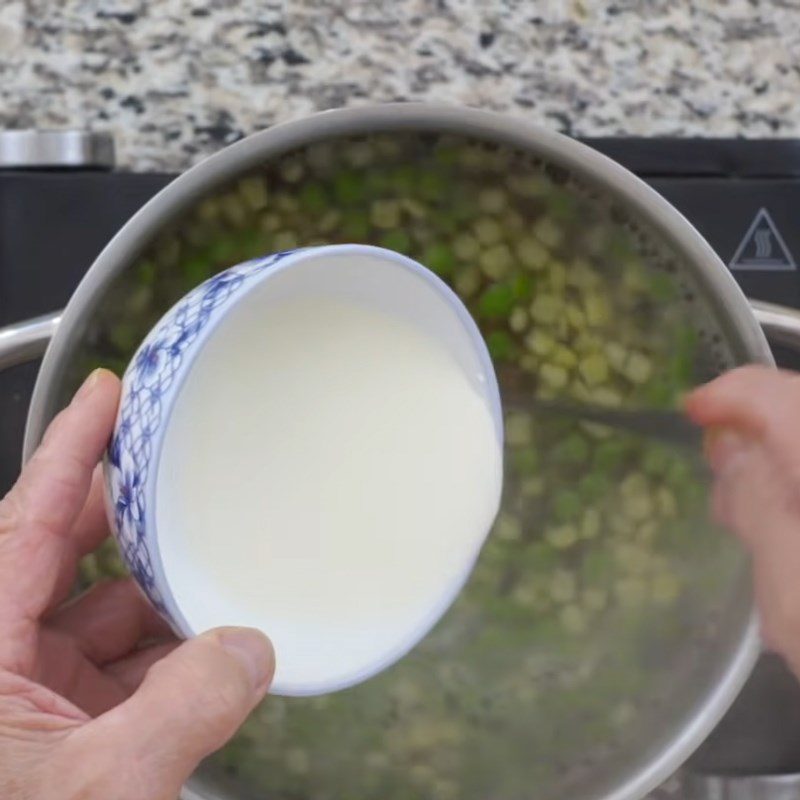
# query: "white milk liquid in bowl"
330,471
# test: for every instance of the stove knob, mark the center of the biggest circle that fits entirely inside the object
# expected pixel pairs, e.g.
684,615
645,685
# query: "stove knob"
56,149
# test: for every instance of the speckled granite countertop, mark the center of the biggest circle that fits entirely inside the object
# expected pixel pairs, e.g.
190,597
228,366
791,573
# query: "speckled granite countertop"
176,79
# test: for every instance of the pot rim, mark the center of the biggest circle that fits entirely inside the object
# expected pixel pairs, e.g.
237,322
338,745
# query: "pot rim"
183,192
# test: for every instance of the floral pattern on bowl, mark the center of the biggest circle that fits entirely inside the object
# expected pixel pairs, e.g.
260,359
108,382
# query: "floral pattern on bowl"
149,385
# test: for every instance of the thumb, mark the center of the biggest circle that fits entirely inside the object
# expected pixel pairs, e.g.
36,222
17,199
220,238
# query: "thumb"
189,704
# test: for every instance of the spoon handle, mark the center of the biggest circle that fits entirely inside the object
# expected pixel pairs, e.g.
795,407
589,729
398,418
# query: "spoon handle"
670,427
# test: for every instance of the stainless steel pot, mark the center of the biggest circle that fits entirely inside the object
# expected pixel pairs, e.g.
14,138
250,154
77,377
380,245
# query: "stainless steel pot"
741,322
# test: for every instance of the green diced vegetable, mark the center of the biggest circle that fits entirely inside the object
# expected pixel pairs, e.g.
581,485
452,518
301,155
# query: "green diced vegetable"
548,232
496,261
655,461
146,272
253,191
597,567
501,346
385,213
209,209
396,240
660,394
594,486
562,204
292,170
572,450
576,317
466,247
609,455
286,203
446,155
679,473
439,258
530,185
662,287
667,505
168,251
564,357
525,461
682,366
531,253
523,287
404,179
519,429
590,523
563,586
223,250
573,619
566,505
355,227
488,230
313,198
492,200
638,368
125,337
594,600
553,376
507,528
285,240
634,484
620,246
496,302
606,396
617,355
197,270
348,188
631,592
545,309
467,281
360,154
666,588
597,309
594,369
270,222
539,342
431,185
518,319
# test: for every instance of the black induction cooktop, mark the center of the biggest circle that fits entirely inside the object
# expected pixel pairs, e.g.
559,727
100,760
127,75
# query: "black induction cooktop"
743,196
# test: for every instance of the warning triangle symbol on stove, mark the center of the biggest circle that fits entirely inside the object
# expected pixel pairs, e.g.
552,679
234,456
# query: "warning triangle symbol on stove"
762,247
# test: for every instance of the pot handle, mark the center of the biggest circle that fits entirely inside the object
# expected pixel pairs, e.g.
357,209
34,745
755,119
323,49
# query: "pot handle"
780,324
25,341
742,787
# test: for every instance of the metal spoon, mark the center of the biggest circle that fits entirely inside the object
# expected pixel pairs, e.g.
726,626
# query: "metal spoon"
670,427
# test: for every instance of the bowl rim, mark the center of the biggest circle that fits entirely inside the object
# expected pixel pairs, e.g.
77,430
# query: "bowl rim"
720,287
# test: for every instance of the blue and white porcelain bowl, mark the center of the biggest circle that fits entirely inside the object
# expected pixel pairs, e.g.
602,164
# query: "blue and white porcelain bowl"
156,377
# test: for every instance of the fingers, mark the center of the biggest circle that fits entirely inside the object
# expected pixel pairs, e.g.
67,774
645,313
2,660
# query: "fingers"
754,399
88,533
194,699
91,527
129,672
55,483
109,620
38,514
755,456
